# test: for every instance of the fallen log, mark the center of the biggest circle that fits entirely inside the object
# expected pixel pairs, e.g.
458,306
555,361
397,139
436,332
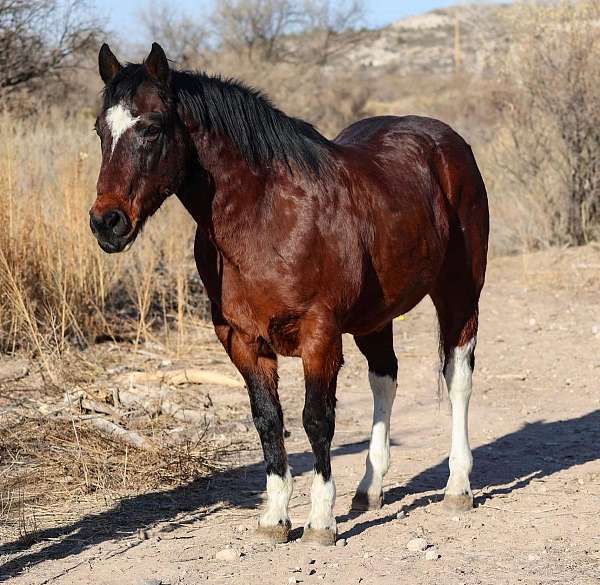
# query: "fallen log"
157,403
180,376
118,433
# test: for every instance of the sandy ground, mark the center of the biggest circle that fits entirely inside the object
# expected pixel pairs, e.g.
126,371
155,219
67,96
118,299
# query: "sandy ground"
535,433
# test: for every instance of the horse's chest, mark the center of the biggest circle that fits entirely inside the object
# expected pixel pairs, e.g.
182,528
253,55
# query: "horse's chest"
260,312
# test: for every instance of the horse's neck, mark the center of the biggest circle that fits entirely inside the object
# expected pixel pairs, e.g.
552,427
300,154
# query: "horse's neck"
222,192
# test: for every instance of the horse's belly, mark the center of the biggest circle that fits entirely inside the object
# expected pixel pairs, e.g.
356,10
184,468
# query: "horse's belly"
396,282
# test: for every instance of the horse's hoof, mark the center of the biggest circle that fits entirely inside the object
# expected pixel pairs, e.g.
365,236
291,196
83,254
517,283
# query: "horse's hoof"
274,534
322,537
363,502
462,503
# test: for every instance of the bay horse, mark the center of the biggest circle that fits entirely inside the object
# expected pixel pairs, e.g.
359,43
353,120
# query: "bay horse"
299,240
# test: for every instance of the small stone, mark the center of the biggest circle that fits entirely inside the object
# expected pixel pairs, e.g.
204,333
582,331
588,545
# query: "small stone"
432,554
293,580
312,572
341,542
533,557
366,556
143,534
532,322
152,582
296,570
580,481
455,518
241,528
228,554
416,545
400,515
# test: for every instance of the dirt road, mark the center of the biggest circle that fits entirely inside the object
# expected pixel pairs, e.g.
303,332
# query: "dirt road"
535,433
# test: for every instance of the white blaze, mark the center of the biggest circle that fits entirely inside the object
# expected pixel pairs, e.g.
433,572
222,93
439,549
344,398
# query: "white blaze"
458,376
119,119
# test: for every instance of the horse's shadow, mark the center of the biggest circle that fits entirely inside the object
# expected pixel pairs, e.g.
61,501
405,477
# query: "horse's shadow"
510,462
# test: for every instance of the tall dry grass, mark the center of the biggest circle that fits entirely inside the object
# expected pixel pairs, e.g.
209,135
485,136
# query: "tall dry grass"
56,286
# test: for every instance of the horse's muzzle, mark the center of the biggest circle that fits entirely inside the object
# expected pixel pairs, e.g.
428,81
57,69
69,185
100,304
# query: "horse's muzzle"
113,230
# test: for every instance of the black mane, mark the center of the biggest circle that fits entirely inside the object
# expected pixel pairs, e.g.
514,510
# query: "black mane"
261,132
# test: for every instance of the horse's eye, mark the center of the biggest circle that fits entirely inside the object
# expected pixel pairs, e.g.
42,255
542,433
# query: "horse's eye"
152,131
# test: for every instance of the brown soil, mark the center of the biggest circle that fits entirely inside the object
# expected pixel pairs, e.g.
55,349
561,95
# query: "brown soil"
535,432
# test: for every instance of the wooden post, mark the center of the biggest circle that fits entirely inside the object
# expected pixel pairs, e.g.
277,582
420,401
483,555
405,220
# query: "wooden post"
457,48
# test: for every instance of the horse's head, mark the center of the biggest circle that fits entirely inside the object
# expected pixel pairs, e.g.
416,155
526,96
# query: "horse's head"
144,143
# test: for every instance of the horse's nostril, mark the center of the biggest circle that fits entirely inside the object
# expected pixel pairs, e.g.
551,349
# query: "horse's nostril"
116,222
112,219
96,223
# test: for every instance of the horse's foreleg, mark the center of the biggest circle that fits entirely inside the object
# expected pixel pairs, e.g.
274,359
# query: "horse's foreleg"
258,366
322,358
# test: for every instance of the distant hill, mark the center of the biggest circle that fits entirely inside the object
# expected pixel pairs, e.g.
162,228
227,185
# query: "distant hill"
425,43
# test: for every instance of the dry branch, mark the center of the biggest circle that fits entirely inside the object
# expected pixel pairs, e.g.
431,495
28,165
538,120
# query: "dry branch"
118,433
13,371
154,402
181,376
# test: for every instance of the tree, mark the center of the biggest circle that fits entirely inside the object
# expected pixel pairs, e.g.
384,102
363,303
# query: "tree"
256,26
287,30
331,28
553,113
184,39
40,40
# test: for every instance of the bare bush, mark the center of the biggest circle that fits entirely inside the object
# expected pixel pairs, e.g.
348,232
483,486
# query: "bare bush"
183,37
39,41
287,30
549,147
330,28
256,27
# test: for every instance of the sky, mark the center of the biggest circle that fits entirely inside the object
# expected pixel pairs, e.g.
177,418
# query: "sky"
121,14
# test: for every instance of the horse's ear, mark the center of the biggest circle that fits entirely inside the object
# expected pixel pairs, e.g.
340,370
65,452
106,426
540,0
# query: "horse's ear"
108,65
156,64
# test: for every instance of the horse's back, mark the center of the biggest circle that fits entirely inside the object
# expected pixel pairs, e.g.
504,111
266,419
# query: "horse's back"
410,175
413,156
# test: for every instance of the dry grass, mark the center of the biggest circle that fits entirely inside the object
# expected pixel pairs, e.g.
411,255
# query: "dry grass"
56,286
50,462
59,292
56,462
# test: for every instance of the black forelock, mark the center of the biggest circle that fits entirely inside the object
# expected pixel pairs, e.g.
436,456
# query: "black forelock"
124,85
261,132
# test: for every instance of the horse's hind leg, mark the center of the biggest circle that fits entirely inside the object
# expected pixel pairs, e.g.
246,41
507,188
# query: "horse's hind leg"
378,348
456,298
